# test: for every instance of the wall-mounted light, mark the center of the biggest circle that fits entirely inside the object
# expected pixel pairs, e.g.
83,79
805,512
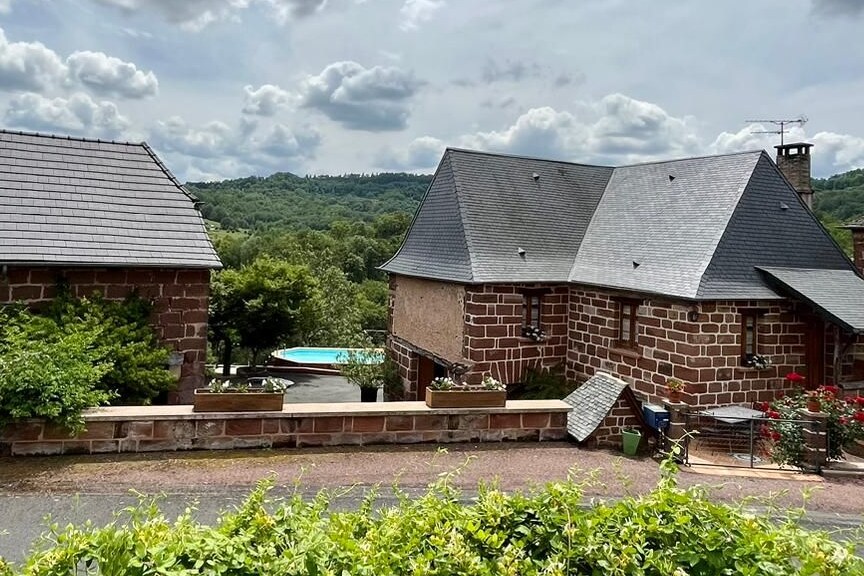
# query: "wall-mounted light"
693,314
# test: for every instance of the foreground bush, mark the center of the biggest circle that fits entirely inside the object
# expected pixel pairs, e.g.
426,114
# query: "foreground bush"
668,532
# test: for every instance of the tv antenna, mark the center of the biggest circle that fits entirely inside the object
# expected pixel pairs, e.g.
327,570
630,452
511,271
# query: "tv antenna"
781,124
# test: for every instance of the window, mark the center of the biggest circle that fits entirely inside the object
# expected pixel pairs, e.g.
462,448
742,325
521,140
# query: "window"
627,312
531,303
750,337
532,315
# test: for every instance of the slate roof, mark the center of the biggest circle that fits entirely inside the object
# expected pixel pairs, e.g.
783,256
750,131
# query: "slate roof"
694,228
591,402
72,201
481,209
837,294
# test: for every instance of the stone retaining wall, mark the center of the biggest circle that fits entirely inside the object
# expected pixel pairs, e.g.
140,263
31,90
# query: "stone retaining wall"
168,428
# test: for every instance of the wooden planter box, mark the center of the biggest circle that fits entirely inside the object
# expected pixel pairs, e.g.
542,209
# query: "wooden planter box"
251,401
465,398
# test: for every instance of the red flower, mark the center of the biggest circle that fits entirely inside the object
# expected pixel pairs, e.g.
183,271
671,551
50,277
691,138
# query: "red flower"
831,390
859,400
794,377
859,416
773,414
762,406
843,420
775,436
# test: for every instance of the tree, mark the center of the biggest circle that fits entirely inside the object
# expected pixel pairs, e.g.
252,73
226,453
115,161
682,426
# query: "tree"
260,306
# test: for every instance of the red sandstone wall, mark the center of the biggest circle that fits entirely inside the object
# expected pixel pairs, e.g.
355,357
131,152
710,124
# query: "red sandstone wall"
608,433
493,338
704,353
179,297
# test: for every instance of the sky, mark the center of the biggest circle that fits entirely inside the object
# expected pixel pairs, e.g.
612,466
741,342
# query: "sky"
234,88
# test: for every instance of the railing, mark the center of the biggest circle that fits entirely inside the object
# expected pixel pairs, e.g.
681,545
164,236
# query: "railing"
738,442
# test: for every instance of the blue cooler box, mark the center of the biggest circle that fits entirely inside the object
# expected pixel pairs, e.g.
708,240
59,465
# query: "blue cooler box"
657,417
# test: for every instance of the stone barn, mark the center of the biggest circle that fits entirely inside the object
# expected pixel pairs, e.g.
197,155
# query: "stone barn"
105,217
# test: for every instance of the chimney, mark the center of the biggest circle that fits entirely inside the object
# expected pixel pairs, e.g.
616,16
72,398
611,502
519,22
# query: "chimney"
857,229
794,162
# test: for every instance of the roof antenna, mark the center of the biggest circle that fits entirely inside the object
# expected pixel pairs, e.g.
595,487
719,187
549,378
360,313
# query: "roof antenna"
801,120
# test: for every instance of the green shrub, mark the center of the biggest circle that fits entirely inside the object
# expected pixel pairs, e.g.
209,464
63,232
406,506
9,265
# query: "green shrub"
542,384
48,371
549,531
138,371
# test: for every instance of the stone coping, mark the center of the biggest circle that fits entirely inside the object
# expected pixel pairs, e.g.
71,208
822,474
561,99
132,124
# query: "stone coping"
184,411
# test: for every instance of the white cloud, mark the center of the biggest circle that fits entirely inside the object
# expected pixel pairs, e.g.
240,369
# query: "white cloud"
266,100
284,143
215,138
108,75
28,65
616,129
79,114
415,12
195,15
192,15
422,154
219,150
374,99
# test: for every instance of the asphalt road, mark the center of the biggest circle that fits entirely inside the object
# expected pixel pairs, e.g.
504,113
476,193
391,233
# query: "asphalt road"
24,517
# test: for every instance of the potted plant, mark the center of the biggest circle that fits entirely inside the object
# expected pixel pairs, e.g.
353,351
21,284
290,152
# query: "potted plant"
225,396
447,393
364,367
814,401
674,386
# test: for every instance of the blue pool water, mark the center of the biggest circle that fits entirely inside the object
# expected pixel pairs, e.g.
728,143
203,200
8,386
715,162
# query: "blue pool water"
323,356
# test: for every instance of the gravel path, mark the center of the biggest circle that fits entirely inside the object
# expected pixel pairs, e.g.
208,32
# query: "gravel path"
513,466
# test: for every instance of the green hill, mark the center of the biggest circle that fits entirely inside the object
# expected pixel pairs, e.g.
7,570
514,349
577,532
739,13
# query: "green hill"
840,197
284,201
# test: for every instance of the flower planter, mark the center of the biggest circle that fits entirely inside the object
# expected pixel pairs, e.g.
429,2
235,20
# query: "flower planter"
465,398
814,405
368,394
250,401
674,396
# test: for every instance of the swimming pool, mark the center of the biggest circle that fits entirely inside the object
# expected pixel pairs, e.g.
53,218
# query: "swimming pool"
320,356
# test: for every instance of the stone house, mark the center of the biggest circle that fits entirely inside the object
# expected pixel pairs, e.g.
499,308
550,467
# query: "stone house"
713,270
105,217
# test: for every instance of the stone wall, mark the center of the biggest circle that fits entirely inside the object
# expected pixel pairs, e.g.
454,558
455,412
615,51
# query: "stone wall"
169,428
608,433
428,314
705,353
179,297
493,339
406,360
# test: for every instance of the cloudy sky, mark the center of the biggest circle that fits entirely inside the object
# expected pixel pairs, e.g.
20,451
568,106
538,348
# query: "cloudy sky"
231,88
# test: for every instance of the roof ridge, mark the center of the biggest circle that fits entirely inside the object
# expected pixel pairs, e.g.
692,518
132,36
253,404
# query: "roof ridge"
685,158
522,157
462,219
69,137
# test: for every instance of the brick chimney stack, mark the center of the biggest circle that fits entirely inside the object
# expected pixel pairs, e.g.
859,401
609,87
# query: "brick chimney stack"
857,229
794,162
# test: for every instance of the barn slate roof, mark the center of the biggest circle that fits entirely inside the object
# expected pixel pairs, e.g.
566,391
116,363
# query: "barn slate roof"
74,201
694,228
